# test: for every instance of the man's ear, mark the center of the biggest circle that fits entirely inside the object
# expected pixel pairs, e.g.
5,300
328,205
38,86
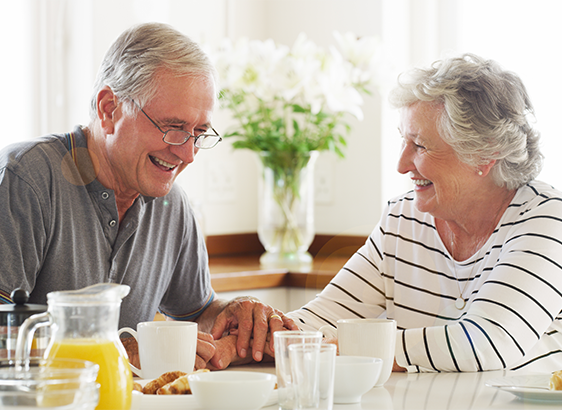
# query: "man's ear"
106,104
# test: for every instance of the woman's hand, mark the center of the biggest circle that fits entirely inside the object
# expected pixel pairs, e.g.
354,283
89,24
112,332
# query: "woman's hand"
206,349
397,368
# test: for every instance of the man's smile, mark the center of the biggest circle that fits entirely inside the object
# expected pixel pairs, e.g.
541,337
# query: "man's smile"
163,165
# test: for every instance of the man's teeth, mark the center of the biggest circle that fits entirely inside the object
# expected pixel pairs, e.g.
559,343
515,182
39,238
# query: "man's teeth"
163,163
421,182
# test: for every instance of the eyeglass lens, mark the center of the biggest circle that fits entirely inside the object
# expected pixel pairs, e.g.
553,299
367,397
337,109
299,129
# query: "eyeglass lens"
178,137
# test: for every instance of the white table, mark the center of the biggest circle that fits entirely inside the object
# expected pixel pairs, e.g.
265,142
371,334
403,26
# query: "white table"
434,391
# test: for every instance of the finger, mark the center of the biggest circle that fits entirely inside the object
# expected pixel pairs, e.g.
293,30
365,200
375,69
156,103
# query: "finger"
225,353
200,363
205,346
245,317
277,323
207,337
260,331
221,324
289,323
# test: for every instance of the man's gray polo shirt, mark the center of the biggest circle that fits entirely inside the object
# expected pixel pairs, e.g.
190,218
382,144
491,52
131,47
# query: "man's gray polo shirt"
59,230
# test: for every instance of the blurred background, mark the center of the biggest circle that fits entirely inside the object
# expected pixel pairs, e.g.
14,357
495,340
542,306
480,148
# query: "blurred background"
52,49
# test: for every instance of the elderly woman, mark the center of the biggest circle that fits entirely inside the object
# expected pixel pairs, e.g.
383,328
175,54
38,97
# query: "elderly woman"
469,263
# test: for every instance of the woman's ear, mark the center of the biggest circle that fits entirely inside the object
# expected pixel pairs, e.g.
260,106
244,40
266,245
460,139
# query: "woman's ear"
106,105
484,170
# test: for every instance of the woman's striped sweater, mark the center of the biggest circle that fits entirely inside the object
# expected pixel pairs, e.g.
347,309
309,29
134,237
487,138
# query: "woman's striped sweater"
512,319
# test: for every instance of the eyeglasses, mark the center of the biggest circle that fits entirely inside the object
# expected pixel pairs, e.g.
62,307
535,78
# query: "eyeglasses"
180,137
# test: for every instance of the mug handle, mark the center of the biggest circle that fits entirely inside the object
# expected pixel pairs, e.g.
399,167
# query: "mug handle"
133,333
329,331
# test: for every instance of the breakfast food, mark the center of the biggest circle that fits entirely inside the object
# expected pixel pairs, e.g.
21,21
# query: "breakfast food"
180,385
168,383
556,380
153,386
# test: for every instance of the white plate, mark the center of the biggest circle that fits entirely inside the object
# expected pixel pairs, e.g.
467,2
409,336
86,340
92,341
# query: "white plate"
532,387
175,402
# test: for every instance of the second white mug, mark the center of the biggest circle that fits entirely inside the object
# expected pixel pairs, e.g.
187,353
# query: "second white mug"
164,346
367,337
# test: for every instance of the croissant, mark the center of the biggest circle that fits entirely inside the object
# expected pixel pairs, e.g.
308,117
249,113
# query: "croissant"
180,385
153,386
556,380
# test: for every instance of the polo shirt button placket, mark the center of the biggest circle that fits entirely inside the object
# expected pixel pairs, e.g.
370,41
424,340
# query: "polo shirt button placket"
112,223
104,195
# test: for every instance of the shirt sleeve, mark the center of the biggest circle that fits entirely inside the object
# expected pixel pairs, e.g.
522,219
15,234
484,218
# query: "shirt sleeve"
357,291
24,228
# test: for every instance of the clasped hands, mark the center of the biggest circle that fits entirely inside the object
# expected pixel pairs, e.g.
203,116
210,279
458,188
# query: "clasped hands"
242,331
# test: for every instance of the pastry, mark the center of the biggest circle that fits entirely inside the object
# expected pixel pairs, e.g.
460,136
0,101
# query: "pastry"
180,385
556,381
153,386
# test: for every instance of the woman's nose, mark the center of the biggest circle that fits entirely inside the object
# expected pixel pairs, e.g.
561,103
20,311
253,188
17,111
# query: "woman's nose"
405,163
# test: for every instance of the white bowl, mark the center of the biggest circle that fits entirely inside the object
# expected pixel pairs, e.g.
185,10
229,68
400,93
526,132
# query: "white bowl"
355,376
231,390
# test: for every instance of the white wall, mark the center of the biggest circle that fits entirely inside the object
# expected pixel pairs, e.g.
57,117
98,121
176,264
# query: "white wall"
52,50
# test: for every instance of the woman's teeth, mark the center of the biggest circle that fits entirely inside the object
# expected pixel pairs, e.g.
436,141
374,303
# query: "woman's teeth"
421,182
162,162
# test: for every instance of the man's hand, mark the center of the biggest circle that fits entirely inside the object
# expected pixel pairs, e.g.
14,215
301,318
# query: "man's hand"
250,319
225,354
132,348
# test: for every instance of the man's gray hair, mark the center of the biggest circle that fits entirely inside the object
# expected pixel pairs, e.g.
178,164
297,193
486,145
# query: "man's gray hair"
131,64
485,117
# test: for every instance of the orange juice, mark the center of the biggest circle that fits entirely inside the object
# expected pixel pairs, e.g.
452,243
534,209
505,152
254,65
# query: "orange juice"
115,377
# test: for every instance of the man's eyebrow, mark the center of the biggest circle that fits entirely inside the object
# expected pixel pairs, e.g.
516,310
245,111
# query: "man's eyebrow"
175,120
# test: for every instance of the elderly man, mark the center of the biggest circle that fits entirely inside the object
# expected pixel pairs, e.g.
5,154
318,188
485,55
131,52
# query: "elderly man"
99,204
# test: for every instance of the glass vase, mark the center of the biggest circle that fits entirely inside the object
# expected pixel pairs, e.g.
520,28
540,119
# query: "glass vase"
286,209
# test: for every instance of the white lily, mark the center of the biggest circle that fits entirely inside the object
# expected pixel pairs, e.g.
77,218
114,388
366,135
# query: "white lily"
260,78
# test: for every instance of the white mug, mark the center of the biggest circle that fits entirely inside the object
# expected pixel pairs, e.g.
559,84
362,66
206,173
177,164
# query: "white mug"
164,346
366,337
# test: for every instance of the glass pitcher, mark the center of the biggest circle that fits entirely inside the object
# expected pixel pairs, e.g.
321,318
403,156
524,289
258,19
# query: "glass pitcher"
84,326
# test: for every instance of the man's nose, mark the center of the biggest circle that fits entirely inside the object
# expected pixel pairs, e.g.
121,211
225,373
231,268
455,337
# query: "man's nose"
186,152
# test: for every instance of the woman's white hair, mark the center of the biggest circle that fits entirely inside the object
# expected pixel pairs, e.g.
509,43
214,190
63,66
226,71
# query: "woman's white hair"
485,117
131,65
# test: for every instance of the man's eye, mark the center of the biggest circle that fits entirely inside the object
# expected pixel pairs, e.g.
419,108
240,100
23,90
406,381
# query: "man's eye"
419,146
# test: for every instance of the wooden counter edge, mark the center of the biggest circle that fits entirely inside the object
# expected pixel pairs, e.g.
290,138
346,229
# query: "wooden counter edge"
227,282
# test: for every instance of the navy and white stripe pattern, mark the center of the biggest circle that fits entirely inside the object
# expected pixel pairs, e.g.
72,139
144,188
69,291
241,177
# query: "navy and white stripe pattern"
512,318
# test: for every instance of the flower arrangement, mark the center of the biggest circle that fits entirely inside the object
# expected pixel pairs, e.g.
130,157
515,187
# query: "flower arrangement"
288,103
294,100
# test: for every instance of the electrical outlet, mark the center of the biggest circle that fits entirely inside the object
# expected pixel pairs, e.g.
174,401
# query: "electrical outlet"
220,182
324,175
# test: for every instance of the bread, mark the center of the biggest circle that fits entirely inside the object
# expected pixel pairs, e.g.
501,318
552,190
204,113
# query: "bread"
180,385
556,381
153,386
137,386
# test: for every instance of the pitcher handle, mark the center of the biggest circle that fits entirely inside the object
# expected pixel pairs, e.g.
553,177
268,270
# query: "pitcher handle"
329,331
133,333
24,340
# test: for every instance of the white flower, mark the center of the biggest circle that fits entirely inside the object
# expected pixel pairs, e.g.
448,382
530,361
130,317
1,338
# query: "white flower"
304,83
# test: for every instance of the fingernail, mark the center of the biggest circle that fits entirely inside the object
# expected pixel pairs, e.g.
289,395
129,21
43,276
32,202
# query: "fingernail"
220,364
258,356
243,353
